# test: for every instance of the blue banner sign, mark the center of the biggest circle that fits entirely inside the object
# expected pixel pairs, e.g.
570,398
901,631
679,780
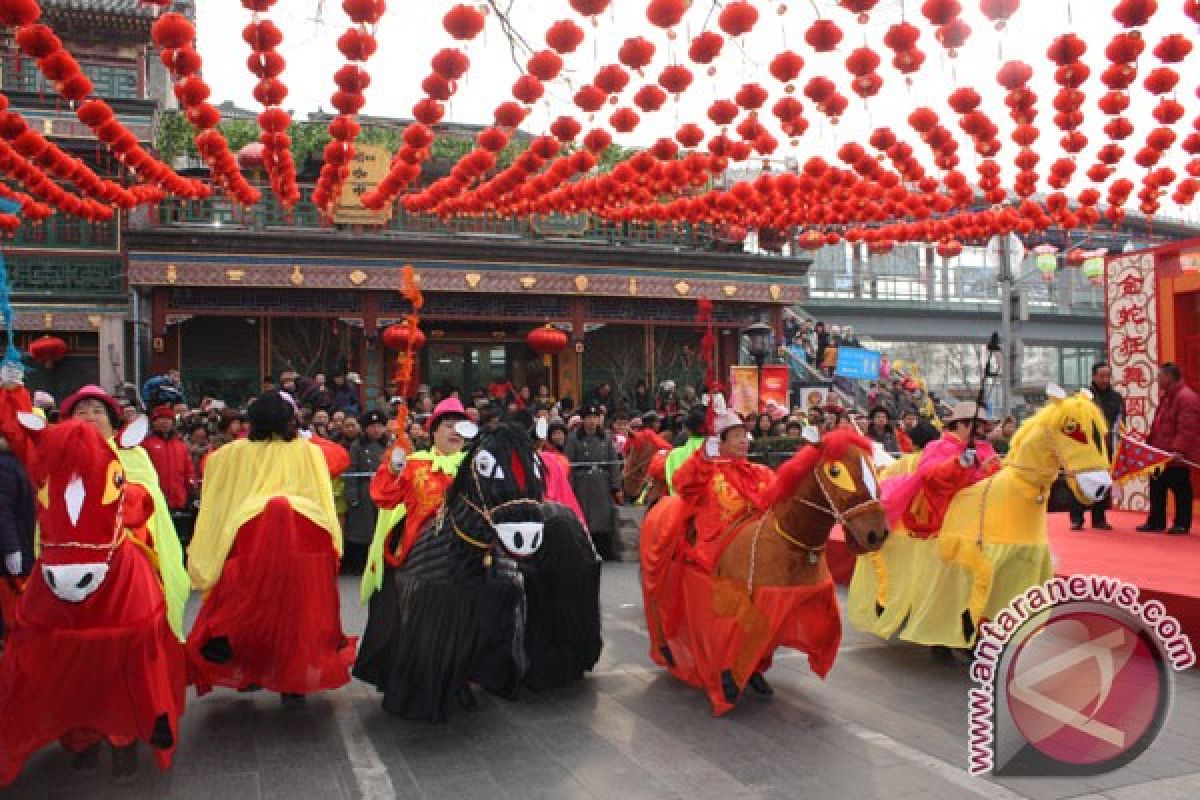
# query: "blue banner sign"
859,364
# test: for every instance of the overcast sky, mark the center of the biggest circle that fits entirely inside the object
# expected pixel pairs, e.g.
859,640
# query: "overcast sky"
411,32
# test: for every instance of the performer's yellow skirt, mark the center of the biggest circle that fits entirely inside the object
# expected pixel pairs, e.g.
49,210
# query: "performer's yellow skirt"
922,596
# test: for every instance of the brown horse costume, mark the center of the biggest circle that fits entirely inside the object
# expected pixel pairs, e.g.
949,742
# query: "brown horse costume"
636,475
772,586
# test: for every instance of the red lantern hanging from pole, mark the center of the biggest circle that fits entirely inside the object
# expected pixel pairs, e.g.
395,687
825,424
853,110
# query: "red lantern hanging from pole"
398,337
547,341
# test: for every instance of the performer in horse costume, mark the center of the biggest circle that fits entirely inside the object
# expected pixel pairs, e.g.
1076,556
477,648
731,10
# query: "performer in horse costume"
266,552
991,544
643,446
95,406
918,500
92,656
410,489
455,609
769,585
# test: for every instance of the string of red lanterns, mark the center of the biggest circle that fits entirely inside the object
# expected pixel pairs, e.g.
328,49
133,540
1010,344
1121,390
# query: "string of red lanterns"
356,45
175,36
266,64
59,67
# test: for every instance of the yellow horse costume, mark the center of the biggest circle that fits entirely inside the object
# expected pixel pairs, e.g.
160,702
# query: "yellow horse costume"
992,545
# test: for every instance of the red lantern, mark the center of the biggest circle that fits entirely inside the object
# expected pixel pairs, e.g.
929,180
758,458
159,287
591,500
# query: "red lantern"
47,350
823,36
706,47
401,337
998,11
738,18
564,36
546,340
1134,13
463,22
666,13
545,65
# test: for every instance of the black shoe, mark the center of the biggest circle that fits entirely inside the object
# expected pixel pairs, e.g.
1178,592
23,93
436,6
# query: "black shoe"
729,687
124,764
1179,530
87,760
292,700
1076,526
759,684
1148,528
1101,526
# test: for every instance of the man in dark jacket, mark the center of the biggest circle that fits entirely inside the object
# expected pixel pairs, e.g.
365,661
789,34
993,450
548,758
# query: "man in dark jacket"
596,477
1113,405
17,519
366,454
1176,429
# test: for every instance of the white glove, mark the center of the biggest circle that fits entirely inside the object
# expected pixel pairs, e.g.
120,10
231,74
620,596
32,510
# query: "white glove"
12,563
967,459
712,447
398,460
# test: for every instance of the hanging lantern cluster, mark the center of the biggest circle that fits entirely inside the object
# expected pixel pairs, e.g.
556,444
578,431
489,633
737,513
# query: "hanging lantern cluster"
266,64
174,34
357,45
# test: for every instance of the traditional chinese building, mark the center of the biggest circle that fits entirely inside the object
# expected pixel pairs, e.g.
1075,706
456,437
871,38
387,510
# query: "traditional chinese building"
231,303
67,273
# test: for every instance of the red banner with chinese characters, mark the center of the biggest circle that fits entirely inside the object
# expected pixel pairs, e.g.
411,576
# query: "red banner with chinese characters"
1132,323
775,386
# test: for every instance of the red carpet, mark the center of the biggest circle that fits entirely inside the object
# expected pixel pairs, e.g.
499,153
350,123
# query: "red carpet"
1163,567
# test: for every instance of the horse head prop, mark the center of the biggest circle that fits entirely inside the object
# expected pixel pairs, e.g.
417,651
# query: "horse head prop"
497,495
831,480
83,511
1069,433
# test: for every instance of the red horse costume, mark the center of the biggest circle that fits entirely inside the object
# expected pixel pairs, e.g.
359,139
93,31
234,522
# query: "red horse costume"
93,655
266,552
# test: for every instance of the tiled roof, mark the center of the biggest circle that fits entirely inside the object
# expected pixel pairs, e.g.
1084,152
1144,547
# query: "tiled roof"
117,7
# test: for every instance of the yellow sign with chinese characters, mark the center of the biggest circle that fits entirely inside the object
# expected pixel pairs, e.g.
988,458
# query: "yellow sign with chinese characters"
367,169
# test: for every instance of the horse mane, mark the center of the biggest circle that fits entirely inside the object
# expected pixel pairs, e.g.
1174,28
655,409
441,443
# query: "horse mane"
648,438
72,447
834,446
1053,414
502,441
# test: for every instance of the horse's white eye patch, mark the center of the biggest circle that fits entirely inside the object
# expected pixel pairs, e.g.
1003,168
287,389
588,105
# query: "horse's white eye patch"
485,463
868,476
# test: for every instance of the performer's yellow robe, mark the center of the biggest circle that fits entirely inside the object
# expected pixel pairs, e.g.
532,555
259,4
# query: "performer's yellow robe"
253,473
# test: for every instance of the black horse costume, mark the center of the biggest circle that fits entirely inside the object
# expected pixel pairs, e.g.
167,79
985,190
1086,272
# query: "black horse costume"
501,589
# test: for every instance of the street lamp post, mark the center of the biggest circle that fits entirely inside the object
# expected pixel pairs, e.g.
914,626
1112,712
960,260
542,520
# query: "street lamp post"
759,336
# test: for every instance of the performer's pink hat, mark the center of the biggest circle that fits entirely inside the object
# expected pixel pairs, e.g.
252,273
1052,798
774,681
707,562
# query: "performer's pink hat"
450,406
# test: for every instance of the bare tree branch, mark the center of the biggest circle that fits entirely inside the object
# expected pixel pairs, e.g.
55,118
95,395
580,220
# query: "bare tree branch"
516,42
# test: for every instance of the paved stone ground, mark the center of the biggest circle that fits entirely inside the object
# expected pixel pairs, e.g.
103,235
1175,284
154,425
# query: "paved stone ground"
889,723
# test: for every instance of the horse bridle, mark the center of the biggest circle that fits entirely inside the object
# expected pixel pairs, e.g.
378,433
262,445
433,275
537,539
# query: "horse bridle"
812,552
839,516
118,536
485,513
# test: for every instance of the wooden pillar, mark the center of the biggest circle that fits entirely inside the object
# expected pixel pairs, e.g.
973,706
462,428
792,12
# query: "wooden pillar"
570,361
